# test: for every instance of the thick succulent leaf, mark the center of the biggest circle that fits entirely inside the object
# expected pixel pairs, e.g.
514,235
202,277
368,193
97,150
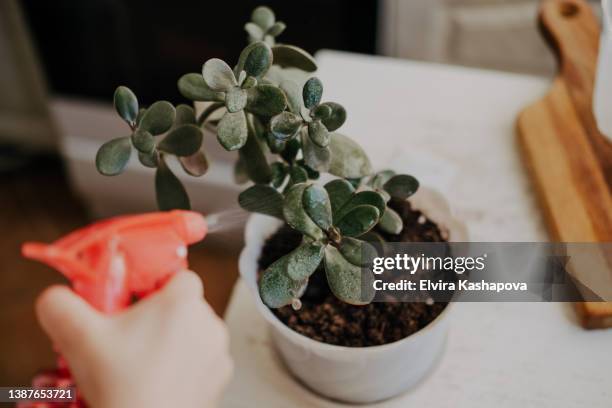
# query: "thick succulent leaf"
317,206
356,251
158,118
232,131
141,113
304,260
296,216
254,159
183,140
348,282
276,288
340,192
318,133
149,160
126,104
362,198
262,199
266,100
312,173
235,99
264,17
391,222
312,92
294,96
358,221
113,156
298,174
275,144
169,190
294,57
192,86
184,115
254,31
315,157
249,82
279,173
195,165
336,118
143,141
218,75
348,158
285,125
258,60
379,179
277,29
401,186
321,112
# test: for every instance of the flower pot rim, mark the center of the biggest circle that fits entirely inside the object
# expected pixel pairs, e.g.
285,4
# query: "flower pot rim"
250,246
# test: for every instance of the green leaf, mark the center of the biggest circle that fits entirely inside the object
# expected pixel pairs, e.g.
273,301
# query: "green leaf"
294,96
183,140
285,125
279,174
321,112
277,29
317,206
347,282
113,156
126,104
195,165
291,150
258,60
296,216
276,288
235,99
391,222
184,115
255,32
141,113
312,92
348,158
232,131
380,178
401,186
275,144
170,192
363,197
266,100
298,174
304,260
315,157
143,141
264,17
149,160
249,82
356,251
192,86
218,75
158,118
358,221
262,199
318,133
336,118
340,192
293,57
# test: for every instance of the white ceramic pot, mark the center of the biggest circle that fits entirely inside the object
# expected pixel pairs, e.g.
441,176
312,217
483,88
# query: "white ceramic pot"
353,374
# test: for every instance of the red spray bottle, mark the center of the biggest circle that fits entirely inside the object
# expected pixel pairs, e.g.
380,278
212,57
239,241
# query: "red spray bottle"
114,261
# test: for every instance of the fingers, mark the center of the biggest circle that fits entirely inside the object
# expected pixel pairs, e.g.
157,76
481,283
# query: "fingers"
66,317
184,284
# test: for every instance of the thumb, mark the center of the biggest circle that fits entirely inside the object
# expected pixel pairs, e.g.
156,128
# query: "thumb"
66,318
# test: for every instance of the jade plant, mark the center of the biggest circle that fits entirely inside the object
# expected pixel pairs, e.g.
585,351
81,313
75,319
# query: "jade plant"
269,109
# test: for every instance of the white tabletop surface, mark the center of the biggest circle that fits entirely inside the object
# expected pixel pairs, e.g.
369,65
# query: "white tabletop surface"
452,128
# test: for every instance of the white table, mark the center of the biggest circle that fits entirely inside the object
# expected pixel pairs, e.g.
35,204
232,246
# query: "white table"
453,128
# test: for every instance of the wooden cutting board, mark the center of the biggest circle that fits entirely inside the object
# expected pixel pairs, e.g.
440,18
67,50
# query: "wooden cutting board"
570,162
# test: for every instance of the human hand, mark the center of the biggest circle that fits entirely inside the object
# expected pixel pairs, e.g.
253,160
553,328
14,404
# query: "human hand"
169,349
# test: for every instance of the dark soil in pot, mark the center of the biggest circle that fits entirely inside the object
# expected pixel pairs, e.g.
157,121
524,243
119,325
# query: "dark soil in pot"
324,318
